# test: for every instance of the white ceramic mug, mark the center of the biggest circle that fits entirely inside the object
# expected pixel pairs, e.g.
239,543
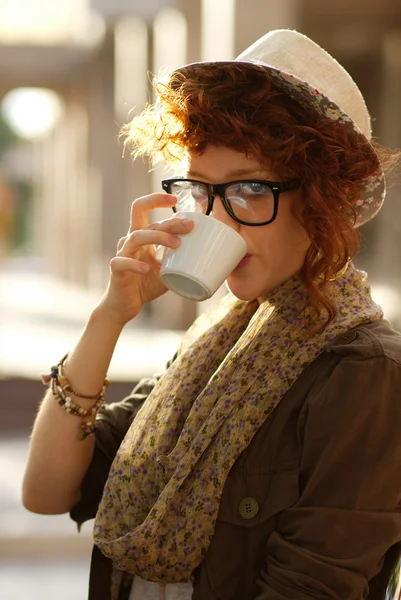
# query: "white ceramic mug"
204,259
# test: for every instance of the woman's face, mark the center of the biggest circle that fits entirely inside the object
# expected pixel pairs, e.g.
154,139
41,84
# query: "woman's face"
275,251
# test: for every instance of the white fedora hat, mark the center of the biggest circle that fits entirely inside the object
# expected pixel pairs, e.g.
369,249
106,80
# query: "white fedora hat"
314,79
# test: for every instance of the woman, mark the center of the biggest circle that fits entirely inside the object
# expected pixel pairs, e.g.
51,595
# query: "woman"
265,462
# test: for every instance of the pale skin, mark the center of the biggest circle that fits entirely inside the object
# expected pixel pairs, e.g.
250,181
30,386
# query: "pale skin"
58,460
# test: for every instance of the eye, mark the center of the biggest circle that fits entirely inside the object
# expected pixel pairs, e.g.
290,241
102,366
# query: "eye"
199,192
254,188
247,190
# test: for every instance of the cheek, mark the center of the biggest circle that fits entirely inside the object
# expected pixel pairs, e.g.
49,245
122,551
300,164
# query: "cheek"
291,232
286,243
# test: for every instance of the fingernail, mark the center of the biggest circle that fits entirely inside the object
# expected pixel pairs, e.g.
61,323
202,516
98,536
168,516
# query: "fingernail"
144,268
174,239
186,222
171,199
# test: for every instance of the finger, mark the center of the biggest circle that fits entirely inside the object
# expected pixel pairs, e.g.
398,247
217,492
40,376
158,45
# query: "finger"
148,237
142,206
121,243
122,264
173,225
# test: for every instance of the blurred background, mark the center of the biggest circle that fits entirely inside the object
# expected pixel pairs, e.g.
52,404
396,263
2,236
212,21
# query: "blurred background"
71,73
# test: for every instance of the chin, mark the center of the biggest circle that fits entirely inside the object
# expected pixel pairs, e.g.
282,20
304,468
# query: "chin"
249,289
241,291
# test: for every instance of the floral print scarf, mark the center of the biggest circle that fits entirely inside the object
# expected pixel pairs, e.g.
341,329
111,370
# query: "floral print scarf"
160,503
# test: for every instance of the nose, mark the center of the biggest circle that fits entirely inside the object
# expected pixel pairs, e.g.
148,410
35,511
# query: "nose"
220,213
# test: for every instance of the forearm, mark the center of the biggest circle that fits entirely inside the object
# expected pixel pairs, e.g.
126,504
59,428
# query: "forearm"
58,459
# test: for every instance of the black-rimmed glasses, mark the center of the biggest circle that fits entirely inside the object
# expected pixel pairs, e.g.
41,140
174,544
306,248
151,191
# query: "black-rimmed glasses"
250,202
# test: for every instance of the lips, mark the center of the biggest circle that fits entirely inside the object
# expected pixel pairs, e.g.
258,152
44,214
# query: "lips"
244,261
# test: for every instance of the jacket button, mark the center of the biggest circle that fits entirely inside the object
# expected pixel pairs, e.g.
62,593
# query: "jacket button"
350,336
346,338
248,508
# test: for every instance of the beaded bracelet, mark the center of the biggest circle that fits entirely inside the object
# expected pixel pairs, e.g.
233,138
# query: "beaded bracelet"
61,387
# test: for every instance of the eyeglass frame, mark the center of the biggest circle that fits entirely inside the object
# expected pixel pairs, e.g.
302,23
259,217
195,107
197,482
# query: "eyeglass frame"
219,189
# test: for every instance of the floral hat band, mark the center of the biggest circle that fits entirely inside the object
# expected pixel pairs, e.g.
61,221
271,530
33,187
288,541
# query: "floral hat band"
314,79
373,189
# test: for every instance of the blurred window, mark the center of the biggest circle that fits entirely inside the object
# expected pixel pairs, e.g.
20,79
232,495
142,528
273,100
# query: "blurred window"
40,21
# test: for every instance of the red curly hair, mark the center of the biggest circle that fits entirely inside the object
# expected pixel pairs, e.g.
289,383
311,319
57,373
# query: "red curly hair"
230,105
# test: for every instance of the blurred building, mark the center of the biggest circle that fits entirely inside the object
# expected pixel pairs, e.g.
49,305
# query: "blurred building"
97,55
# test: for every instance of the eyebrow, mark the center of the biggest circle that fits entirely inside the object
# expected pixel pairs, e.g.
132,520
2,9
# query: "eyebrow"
238,173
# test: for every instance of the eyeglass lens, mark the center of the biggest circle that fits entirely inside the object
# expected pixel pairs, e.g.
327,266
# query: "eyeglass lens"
250,201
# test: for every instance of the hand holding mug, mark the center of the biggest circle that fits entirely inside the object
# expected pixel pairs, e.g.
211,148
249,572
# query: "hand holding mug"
134,271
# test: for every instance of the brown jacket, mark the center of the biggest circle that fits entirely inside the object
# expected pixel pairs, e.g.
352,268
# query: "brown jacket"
312,508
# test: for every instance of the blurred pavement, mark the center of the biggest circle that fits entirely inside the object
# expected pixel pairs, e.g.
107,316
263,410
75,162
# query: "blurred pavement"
41,318
41,557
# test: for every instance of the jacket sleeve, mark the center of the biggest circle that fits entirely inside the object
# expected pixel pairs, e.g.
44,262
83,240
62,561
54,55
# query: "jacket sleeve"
334,539
113,422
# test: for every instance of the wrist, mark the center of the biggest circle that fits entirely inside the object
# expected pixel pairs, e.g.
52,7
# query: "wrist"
108,318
